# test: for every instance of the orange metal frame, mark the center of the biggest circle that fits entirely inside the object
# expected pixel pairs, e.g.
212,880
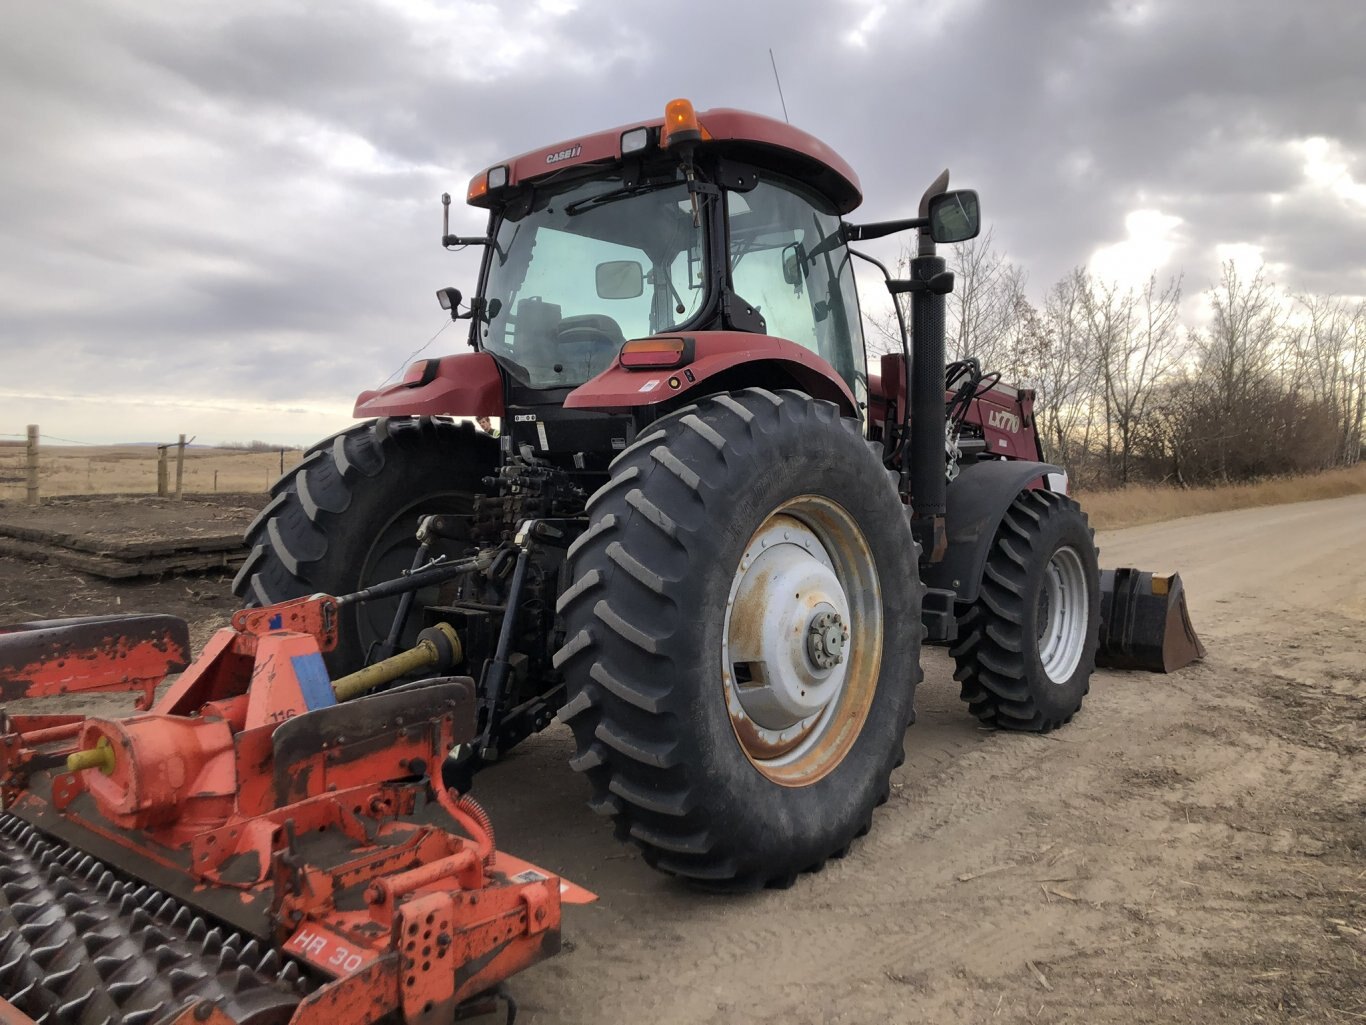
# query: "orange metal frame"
331,865
91,653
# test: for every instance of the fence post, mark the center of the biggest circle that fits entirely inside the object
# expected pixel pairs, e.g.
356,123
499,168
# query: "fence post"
179,467
161,470
32,464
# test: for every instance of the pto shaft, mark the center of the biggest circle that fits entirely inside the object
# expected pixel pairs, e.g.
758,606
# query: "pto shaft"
438,645
101,757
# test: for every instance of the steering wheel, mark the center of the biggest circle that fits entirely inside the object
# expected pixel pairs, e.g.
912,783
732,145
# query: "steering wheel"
584,334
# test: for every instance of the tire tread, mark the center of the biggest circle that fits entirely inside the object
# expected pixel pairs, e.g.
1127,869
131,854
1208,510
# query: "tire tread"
621,610
991,653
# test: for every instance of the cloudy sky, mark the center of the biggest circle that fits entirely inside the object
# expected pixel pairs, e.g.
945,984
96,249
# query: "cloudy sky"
222,218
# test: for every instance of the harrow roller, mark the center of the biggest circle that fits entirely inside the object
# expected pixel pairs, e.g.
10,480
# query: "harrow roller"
79,945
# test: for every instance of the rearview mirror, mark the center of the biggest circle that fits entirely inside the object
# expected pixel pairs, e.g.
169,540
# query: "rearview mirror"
955,216
794,265
620,279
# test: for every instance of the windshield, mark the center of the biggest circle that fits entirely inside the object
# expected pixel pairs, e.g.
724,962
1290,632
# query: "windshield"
589,266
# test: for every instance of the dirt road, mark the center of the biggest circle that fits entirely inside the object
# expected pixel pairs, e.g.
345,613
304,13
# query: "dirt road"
1191,849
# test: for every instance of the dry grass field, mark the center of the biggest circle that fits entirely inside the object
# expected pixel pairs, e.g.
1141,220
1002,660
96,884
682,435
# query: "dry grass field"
1144,503
132,470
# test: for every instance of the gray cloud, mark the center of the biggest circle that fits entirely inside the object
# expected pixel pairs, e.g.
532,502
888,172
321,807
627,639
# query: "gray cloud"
238,202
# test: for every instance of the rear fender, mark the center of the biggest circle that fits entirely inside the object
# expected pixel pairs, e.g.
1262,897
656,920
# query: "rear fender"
468,384
976,502
722,361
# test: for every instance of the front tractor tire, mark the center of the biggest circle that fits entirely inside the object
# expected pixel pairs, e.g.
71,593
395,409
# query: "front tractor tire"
1027,645
742,639
346,517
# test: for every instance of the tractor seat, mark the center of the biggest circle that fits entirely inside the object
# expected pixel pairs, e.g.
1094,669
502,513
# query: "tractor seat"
593,339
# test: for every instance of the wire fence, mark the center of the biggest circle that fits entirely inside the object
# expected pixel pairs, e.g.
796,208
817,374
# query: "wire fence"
34,466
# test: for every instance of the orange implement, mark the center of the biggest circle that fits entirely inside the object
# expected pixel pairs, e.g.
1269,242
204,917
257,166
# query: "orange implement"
266,853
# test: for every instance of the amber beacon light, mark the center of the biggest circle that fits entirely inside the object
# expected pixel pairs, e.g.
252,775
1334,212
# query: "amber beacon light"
680,124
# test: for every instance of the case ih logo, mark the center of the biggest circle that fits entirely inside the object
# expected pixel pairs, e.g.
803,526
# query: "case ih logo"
564,154
1004,420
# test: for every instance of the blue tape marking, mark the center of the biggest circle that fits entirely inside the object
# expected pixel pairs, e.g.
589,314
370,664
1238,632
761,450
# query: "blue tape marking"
277,621
314,682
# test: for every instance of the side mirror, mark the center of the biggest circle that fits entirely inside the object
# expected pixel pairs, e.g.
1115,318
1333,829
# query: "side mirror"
449,298
620,279
794,265
955,216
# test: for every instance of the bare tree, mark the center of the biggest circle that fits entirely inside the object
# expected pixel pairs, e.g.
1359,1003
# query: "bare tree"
1172,436
1120,395
1136,360
1108,316
987,309
1237,355
1331,366
1064,369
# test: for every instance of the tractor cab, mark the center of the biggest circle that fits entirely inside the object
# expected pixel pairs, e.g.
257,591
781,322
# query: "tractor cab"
665,229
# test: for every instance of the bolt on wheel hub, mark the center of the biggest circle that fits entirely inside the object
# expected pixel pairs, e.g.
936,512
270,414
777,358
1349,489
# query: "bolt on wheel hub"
825,640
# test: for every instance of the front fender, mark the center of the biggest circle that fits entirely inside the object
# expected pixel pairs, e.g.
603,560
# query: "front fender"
975,504
468,384
722,360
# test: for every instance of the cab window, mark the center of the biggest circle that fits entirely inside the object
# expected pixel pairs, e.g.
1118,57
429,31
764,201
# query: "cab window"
780,264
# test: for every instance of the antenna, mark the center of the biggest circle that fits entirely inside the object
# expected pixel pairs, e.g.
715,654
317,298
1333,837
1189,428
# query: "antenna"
779,81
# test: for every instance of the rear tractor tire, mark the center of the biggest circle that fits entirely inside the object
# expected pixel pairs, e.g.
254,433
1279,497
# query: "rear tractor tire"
346,517
742,639
1027,645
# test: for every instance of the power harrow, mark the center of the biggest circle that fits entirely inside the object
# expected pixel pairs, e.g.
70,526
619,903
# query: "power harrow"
262,844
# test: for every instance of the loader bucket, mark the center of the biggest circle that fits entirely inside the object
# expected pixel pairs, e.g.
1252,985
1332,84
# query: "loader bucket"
1144,623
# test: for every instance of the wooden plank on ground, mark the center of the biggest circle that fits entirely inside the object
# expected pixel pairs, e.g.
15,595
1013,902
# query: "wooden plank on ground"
120,569
96,545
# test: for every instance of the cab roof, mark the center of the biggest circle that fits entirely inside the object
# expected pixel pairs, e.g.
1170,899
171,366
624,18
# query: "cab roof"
741,135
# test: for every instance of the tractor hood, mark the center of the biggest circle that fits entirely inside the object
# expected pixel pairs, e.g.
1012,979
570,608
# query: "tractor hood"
468,384
636,380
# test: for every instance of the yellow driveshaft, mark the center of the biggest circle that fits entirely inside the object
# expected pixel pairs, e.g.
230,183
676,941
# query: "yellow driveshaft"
101,757
438,645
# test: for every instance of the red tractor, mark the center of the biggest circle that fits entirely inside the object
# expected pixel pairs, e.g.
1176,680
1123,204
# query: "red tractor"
708,538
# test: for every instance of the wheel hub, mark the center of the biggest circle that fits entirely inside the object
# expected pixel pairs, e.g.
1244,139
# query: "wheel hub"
787,611
1062,615
825,639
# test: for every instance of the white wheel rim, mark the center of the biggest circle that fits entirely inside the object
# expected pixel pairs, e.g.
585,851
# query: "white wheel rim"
802,640
1062,615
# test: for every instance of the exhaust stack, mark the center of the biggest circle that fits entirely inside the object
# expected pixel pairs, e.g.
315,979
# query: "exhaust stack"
928,482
